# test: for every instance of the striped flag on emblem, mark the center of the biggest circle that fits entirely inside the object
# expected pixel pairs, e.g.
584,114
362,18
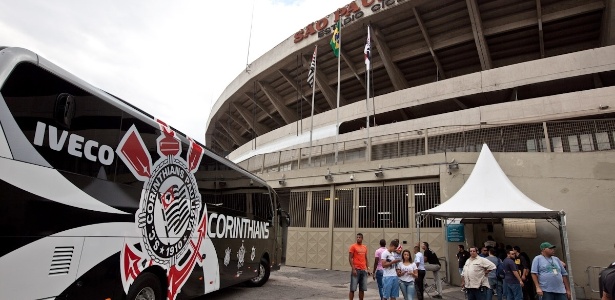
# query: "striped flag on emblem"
312,71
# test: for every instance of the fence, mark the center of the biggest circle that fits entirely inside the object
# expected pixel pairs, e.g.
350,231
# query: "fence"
554,136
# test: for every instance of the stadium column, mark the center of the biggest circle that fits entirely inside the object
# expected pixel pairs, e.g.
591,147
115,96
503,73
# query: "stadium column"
259,128
256,102
287,114
397,77
479,37
238,121
294,84
239,140
608,27
226,146
325,89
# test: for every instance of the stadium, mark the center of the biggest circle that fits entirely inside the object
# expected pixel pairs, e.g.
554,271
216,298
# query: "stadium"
534,80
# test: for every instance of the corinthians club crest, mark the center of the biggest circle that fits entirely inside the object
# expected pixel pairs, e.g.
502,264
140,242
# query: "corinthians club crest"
170,218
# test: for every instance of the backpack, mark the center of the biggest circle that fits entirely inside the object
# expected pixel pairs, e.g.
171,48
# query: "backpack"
499,271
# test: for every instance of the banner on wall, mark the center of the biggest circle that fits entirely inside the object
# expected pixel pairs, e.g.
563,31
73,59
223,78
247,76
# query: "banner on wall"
523,228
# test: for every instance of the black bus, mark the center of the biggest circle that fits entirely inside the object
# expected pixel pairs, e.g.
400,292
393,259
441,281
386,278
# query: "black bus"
102,201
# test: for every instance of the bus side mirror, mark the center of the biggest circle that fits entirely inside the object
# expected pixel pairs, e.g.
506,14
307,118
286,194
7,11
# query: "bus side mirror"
284,218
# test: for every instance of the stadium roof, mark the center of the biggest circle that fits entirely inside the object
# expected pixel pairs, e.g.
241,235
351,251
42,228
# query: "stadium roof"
413,43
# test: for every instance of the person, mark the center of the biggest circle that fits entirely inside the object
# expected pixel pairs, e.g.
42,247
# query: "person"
462,256
512,280
474,276
606,283
484,252
357,258
433,264
390,283
490,243
378,266
549,275
407,273
494,282
420,265
528,286
501,252
398,250
523,267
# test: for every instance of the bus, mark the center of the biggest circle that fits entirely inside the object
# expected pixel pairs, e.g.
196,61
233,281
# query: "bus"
101,200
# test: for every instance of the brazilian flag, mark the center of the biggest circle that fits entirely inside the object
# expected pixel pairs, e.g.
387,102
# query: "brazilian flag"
335,40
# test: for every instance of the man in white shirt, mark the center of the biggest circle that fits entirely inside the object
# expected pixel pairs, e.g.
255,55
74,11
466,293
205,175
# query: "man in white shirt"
474,278
390,283
420,264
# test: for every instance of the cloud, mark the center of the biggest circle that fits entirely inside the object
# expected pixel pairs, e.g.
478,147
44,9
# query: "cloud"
171,59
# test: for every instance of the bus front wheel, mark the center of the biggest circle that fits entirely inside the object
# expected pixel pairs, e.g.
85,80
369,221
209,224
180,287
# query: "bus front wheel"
264,271
146,287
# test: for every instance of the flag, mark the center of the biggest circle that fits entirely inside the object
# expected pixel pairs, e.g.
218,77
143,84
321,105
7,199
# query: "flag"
312,71
368,52
335,40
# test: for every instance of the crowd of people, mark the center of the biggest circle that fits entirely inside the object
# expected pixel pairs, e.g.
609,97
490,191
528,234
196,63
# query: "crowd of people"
507,272
487,271
394,269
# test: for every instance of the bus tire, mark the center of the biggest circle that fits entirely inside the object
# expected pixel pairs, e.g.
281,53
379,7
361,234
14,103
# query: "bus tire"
264,271
146,287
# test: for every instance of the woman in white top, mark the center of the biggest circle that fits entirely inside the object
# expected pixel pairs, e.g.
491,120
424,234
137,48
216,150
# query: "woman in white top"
407,272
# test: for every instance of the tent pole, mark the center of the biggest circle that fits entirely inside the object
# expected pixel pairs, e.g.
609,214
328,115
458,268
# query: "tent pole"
418,228
448,253
566,250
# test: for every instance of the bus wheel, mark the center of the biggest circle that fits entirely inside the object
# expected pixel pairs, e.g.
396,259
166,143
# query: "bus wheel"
264,271
146,287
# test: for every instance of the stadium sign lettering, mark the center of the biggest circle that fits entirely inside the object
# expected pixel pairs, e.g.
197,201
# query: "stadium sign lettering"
347,14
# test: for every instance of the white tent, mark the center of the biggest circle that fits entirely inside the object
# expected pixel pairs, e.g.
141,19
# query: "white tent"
489,194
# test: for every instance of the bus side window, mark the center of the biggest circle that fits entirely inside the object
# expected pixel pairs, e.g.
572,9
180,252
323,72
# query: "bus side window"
261,205
229,188
72,129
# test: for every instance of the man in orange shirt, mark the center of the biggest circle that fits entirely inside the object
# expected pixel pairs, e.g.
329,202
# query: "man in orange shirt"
357,258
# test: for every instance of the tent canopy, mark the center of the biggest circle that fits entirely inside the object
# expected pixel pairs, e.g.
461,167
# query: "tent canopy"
489,193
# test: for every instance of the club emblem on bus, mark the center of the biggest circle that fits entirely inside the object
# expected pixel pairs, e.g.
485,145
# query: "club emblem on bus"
227,256
170,212
240,256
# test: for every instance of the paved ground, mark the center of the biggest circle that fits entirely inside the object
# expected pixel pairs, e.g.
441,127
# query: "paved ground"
302,283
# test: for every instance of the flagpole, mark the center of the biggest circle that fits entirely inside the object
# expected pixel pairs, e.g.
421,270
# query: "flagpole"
368,68
312,117
337,111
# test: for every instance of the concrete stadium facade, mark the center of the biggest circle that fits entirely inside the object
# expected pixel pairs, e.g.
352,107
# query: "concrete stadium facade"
534,80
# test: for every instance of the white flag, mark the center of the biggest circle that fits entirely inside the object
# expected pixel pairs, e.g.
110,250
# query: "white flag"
312,71
368,52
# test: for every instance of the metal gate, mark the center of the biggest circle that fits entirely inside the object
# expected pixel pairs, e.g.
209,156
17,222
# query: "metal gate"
325,220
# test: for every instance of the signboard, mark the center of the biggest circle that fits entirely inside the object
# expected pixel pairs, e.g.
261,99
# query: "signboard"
455,233
524,228
352,12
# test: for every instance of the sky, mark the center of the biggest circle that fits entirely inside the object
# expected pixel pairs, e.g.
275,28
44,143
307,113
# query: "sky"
172,59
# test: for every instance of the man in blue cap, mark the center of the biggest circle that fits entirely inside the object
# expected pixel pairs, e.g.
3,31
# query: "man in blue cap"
549,275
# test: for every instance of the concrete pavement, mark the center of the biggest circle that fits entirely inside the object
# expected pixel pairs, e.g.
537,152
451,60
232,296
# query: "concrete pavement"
304,283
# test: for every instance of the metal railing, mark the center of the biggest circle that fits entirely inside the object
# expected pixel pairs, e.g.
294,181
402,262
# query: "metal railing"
553,136
376,206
